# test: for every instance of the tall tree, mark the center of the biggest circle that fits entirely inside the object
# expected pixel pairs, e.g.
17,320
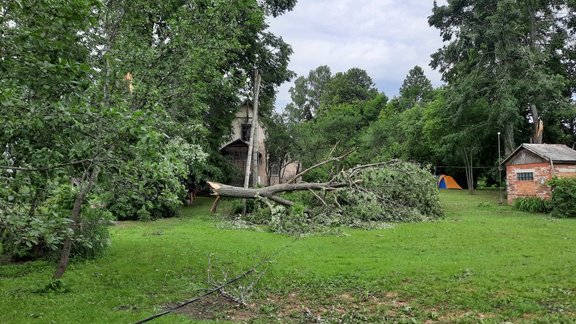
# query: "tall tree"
496,52
306,94
354,85
112,100
415,89
457,136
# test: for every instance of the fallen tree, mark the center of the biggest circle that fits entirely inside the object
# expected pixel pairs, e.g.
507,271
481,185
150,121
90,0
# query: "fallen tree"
270,192
385,191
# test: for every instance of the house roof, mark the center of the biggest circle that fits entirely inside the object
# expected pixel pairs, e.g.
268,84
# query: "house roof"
558,153
236,142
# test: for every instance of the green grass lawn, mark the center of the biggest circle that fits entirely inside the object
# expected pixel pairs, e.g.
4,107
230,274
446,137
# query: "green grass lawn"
483,262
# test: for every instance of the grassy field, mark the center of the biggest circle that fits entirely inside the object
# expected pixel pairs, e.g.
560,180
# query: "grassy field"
483,262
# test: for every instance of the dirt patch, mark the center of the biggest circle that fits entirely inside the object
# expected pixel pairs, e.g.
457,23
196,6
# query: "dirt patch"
343,307
218,307
124,223
4,260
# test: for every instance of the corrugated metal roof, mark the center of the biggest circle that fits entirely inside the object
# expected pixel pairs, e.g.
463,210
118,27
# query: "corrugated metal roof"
556,152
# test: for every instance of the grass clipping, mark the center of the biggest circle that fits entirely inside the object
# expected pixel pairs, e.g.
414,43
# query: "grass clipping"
395,191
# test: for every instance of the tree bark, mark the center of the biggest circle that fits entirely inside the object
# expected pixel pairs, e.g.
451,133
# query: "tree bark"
253,131
468,165
85,188
509,145
222,190
252,139
538,125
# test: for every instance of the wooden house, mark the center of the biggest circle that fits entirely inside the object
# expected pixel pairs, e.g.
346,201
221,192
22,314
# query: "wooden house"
236,151
530,166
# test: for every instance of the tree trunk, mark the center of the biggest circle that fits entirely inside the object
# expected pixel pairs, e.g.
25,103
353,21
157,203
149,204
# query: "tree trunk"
252,141
222,190
509,145
538,125
85,188
468,165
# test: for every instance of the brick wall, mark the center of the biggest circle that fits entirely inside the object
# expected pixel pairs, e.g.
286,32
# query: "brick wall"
536,187
565,171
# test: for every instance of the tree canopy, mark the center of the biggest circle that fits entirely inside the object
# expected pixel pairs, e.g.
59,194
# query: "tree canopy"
107,107
506,54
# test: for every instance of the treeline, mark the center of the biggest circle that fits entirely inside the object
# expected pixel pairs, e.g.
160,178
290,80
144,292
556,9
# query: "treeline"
508,67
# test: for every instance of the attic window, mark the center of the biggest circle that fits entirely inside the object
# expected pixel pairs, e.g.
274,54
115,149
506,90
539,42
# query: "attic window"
525,176
245,135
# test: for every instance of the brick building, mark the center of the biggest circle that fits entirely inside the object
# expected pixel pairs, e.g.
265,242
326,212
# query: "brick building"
530,166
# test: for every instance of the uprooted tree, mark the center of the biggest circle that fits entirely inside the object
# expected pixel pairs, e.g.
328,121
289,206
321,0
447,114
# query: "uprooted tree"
394,191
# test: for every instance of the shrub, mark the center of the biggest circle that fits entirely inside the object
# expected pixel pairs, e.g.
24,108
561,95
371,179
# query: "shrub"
563,197
533,205
150,186
25,236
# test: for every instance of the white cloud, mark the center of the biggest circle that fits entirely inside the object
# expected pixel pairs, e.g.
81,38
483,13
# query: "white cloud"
385,37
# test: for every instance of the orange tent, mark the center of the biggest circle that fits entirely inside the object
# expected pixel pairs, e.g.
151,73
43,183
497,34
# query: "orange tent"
447,182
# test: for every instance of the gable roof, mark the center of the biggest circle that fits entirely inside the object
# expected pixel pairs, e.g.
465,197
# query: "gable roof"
236,142
558,153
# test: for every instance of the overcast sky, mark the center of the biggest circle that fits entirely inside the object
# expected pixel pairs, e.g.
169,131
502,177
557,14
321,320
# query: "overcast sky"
386,38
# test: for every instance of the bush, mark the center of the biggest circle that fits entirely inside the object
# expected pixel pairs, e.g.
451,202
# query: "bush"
533,205
24,236
563,197
150,186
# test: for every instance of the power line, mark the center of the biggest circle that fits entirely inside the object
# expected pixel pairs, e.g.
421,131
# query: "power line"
218,288
463,167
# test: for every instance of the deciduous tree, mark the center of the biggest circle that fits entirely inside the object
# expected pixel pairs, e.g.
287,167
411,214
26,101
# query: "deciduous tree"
497,53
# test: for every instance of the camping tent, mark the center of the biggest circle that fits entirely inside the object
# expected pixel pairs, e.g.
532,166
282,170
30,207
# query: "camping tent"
447,182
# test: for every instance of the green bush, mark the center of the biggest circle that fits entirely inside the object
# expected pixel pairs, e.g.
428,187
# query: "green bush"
25,236
533,205
150,186
563,197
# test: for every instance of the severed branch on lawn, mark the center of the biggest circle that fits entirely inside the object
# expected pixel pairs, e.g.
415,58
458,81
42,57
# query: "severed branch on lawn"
347,178
208,293
223,285
240,294
317,165
222,190
270,192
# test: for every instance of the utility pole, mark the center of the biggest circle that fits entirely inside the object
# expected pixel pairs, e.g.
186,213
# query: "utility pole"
255,173
251,141
499,171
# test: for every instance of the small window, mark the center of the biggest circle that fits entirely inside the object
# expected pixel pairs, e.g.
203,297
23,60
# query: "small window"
274,169
246,132
525,176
